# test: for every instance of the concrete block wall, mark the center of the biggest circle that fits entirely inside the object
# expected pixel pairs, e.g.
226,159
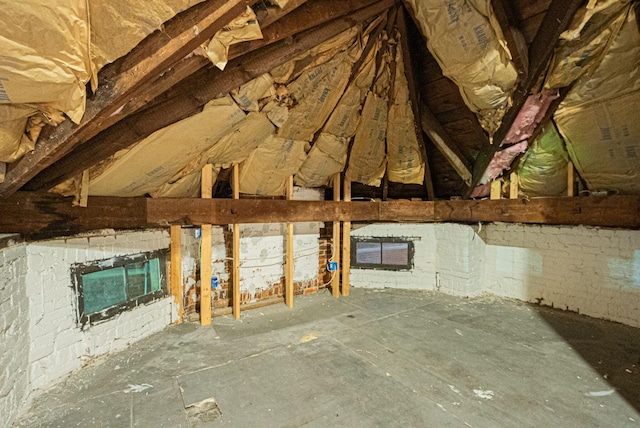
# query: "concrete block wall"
592,271
14,332
57,343
446,256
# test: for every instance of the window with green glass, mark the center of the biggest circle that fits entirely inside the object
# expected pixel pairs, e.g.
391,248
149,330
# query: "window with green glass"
107,287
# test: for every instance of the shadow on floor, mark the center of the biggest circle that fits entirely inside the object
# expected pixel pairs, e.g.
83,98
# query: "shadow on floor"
611,349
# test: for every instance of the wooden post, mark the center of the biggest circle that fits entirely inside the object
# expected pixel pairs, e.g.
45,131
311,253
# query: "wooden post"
206,189
570,180
346,244
236,249
288,292
496,189
513,186
335,253
176,270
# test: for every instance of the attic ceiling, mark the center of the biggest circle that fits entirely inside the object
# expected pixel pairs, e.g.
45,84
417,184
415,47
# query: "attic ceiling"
413,99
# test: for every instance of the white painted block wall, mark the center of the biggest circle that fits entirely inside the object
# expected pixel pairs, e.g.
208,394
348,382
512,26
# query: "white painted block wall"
451,252
592,271
14,332
58,345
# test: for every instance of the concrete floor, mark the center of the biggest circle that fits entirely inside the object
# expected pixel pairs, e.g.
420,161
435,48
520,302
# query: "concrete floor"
377,358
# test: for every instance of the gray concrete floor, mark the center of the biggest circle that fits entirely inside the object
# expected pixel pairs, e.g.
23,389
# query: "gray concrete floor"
377,358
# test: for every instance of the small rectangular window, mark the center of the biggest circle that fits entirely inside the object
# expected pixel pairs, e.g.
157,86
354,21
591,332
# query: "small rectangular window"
107,287
381,253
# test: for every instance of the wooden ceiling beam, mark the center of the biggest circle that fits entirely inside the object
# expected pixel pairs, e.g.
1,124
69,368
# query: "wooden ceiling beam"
506,16
445,144
126,78
557,19
300,16
193,93
304,16
414,95
308,15
45,214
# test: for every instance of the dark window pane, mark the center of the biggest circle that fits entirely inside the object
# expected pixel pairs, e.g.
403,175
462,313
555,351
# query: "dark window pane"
368,253
395,253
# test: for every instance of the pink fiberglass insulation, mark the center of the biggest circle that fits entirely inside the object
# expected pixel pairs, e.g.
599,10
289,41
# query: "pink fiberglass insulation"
530,116
501,160
522,128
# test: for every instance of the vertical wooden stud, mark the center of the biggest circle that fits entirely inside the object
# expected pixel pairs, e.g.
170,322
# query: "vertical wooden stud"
84,189
513,186
496,189
571,178
176,270
205,251
236,249
288,289
346,244
205,275
335,253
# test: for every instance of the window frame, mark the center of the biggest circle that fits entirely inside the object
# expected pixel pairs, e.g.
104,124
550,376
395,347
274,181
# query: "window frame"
80,269
382,240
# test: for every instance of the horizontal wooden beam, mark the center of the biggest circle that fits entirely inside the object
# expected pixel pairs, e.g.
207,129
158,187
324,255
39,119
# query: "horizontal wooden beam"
44,214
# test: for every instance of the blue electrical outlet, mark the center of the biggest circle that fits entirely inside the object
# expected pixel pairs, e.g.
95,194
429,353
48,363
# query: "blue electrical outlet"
198,233
333,266
214,282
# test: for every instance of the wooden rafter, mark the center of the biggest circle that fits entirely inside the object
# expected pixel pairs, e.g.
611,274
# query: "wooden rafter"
193,93
557,19
46,214
445,144
416,106
504,13
126,78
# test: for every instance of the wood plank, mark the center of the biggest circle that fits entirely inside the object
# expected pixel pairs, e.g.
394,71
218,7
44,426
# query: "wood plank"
514,185
206,189
48,215
505,14
571,179
84,189
235,276
127,77
416,105
308,15
346,245
175,277
335,252
205,275
557,19
287,27
611,211
445,144
496,189
271,14
189,97
288,293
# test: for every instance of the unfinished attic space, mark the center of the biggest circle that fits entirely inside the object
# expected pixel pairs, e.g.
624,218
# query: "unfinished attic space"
320,213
